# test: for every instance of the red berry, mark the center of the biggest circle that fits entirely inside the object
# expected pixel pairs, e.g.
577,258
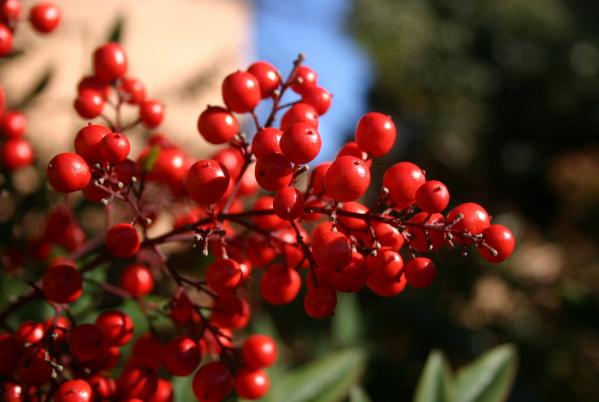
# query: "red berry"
420,272
268,77
102,387
110,62
259,351
5,40
319,98
87,341
375,133
403,180
133,90
289,203
273,172
426,240
280,285
115,147
88,142
352,149
181,356
241,92
387,288
96,84
386,266
147,352
33,368
320,302
206,182
164,392
117,327
217,125
317,184
474,219
500,239
13,124
12,392
68,172
332,250
251,384
300,112
181,308
266,141
432,196
16,153
353,223
212,383
231,159
137,280
122,240
304,78
170,168
73,391
44,17
151,113
62,284
224,276
11,10
89,103
230,311
140,383
301,143
30,332
347,179
269,221
351,278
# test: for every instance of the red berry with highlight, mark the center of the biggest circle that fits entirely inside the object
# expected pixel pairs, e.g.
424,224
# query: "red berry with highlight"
68,172
403,180
89,103
468,217
299,112
347,179
6,39
304,78
115,147
375,133
13,124
137,280
16,153
217,125
301,143
212,382
289,203
110,62
280,285
259,351
241,92
206,182
268,77
117,327
151,113
224,276
319,98
273,172
133,90
266,141
252,384
432,196
73,391
122,240
500,239
420,272
181,356
44,17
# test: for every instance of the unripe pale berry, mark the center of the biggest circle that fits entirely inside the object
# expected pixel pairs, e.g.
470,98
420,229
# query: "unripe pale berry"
301,143
62,284
206,182
217,125
375,133
347,179
241,92
122,240
68,172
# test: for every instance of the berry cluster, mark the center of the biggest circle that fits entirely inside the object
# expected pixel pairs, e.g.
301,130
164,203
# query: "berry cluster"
44,18
15,151
313,233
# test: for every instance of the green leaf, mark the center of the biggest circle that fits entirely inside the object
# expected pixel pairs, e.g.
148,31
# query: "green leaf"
489,378
151,159
347,323
116,31
182,389
326,380
40,84
358,394
435,384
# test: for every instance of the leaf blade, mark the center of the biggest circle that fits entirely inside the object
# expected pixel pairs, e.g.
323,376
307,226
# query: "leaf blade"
436,383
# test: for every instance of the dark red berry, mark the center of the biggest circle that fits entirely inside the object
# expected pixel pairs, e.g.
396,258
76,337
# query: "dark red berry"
12,392
268,77
87,341
181,356
122,240
164,392
268,221
62,284
347,179
117,327
212,383
432,196
241,92
273,172
230,311
44,17
33,368
110,62
301,143
259,351
420,272
68,172
224,275
102,387
137,280
332,250
206,182
351,278
217,125
147,352
140,383
403,180
251,384
375,133
500,239
10,352
320,301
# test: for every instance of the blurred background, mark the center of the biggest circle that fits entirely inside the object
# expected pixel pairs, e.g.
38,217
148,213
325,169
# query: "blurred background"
498,99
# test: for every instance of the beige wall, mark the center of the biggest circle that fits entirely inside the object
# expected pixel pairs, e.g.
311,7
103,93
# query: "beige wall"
172,45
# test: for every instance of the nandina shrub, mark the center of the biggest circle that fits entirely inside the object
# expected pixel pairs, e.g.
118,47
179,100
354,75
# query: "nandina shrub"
280,225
